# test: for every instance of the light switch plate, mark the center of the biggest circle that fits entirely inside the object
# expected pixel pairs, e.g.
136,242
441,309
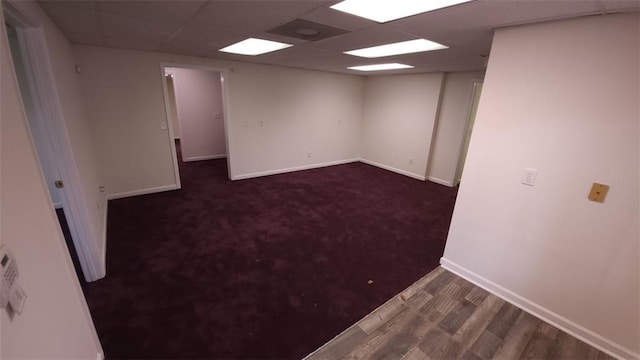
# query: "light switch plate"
529,177
598,192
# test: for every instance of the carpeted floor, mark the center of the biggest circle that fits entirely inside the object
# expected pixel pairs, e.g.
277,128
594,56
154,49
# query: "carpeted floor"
265,268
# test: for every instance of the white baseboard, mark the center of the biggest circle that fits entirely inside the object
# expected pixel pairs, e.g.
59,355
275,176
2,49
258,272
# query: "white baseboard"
207,157
142,192
297,168
559,321
399,171
440,181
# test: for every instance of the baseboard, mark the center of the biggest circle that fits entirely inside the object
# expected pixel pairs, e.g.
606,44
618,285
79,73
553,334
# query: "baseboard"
297,168
141,192
440,181
401,172
207,157
562,323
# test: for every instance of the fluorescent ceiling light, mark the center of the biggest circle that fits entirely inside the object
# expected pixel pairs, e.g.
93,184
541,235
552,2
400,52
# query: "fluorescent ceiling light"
253,46
378,67
387,10
404,47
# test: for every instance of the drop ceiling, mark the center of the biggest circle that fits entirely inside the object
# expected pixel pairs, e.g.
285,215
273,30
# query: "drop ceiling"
202,27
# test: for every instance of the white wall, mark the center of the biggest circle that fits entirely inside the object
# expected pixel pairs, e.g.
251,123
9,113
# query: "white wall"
55,322
399,117
451,125
276,116
562,98
199,105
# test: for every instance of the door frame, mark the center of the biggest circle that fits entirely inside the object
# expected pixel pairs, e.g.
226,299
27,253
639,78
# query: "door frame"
224,80
50,127
475,84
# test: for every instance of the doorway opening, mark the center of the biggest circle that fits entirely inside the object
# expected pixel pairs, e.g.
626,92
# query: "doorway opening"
47,128
46,164
477,91
195,99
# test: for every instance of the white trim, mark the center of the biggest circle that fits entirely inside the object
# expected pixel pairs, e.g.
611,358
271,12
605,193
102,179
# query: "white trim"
57,205
142,192
226,113
48,118
390,168
206,157
167,119
292,169
474,88
439,181
559,321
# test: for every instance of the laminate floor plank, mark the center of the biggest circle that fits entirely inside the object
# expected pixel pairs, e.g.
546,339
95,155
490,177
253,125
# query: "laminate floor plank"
443,316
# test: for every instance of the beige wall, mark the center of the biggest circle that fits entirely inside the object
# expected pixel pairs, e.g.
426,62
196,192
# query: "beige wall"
277,116
399,117
199,104
55,322
451,125
561,98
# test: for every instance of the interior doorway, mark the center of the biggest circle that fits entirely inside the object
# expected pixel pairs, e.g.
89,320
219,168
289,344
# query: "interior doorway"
477,91
196,113
46,123
47,165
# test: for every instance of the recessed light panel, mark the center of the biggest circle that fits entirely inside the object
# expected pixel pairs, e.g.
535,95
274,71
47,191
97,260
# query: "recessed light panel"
404,47
378,67
387,10
252,46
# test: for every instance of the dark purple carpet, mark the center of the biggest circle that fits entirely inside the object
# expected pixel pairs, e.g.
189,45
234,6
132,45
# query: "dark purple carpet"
266,268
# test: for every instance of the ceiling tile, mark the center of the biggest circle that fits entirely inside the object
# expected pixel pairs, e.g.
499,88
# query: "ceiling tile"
252,16
620,5
143,30
190,41
87,39
169,11
363,38
490,14
80,3
129,43
73,19
328,16
473,42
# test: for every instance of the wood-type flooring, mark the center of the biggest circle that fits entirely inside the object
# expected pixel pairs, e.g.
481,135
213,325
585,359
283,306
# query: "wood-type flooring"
443,316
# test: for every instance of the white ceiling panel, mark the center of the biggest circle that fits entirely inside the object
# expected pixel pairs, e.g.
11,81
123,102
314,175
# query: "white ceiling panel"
373,36
190,41
87,39
328,16
129,43
473,42
89,4
74,19
142,30
620,5
251,15
490,14
169,11
201,27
